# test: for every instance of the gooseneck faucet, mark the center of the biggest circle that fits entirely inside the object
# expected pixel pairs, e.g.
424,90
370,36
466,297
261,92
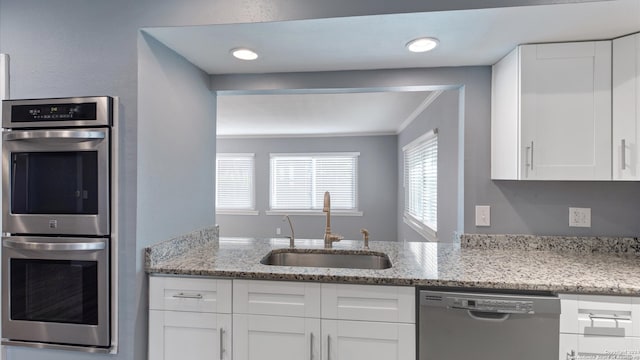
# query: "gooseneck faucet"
292,237
329,238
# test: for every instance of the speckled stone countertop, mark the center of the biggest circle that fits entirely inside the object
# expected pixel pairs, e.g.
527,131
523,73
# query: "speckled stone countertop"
421,264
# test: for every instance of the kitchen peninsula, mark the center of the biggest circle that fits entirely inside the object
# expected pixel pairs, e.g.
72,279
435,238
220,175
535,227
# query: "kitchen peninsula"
558,264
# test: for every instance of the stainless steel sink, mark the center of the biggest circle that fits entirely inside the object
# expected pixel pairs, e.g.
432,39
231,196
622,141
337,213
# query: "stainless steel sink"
327,258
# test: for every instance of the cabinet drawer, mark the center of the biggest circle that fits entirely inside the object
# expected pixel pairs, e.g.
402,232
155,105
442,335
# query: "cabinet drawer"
276,298
594,315
368,302
189,294
597,347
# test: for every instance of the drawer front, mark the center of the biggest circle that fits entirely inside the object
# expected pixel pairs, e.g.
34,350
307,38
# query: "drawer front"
595,315
368,302
276,298
189,294
576,346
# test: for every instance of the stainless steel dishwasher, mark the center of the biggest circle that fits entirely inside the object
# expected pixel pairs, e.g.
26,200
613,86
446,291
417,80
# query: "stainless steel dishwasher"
488,326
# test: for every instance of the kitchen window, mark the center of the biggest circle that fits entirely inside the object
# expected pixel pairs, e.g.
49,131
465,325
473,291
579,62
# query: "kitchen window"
235,184
421,184
298,182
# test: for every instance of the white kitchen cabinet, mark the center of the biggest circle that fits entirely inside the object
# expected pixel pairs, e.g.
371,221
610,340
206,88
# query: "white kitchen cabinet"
177,335
260,337
593,325
626,107
364,340
309,319
189,318
551,113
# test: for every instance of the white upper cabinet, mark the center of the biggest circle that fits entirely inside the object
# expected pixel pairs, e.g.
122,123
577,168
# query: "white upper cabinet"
626,107
551,113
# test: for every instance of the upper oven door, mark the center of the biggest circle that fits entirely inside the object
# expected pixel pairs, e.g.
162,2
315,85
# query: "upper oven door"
56,182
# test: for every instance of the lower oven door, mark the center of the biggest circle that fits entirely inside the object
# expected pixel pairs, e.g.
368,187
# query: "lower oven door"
56,290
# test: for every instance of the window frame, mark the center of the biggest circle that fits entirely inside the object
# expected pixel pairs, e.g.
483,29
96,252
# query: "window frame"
230,211
421,227
337,212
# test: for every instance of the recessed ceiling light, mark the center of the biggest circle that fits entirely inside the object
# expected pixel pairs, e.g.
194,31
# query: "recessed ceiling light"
244,54
422,44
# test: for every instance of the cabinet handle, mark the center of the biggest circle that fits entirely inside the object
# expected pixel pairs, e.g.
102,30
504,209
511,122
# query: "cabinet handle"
609,317
623,154
187,296
310,346
328,347
571,355
221,344
529,156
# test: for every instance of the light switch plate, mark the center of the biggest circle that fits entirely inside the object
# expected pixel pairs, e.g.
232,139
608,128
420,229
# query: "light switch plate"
579,217
483,215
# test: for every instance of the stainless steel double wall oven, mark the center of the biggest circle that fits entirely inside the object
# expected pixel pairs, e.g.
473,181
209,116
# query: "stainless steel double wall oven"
56,223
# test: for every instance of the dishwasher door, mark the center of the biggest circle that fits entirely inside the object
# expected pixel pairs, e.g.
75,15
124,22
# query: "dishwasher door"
481,326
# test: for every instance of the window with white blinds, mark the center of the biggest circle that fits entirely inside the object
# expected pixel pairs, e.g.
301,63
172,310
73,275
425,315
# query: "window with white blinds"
421,184
235,183
298,181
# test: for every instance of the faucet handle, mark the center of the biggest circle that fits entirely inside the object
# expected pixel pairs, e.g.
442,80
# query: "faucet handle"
365,237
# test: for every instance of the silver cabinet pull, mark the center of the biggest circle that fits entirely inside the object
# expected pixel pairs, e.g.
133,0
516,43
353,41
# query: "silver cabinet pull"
609,317
221,343
328,347
623,154
310,346
529,157
187,296
532,155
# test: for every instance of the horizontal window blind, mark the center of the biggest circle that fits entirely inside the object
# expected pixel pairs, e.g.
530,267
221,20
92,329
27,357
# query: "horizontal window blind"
235,182
421,180
298,181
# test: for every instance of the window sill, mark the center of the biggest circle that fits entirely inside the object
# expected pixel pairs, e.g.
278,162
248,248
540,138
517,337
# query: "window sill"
238,212
313,213
422,229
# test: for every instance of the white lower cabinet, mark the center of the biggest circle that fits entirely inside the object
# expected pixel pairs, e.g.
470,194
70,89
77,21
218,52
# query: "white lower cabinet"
594,327
196,319
260,337
189,335
364,340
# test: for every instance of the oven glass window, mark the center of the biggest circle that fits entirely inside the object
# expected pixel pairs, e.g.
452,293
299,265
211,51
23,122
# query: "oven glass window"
63,291
54,182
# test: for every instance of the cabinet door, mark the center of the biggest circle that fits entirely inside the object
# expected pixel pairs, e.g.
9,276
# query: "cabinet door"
626,108
179,335
262,337
565,111
364,340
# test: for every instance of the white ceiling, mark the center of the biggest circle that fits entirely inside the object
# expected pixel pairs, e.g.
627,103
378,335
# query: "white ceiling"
467,37
317,114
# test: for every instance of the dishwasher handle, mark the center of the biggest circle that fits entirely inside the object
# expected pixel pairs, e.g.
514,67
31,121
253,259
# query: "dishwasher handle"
488,316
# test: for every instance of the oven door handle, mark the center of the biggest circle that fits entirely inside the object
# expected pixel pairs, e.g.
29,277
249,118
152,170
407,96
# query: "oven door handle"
58,135
54,246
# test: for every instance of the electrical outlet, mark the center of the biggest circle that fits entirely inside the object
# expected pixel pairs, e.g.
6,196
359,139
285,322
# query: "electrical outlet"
579,217
278,231
483,215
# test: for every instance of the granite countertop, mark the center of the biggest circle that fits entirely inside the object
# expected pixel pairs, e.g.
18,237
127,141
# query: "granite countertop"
422,264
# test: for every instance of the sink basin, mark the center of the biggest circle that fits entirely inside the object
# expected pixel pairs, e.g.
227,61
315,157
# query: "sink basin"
327,258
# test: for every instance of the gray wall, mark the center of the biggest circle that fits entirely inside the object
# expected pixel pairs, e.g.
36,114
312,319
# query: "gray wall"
443,115
377,184
76,47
